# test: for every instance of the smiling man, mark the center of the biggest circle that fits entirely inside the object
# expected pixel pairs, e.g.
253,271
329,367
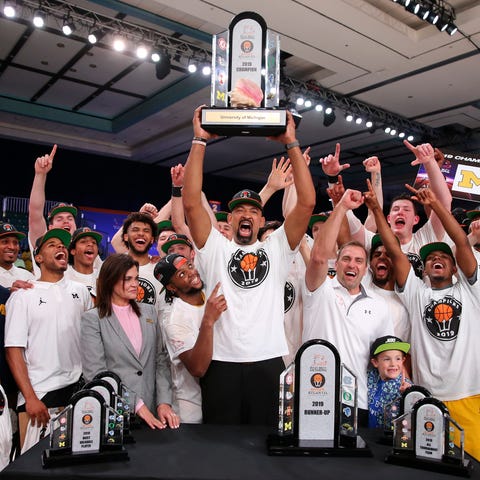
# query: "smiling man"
341,310
241,383
42,336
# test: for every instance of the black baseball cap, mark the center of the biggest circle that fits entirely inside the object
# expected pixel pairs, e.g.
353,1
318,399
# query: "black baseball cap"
165,269
389,342
245,196
427,249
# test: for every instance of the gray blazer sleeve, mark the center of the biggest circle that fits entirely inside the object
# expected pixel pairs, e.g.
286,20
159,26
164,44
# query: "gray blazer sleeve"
163,371
91,343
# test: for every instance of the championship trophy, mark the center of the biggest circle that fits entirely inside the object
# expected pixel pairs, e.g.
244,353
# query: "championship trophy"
426,437
318,406
123,402
245,81
87,430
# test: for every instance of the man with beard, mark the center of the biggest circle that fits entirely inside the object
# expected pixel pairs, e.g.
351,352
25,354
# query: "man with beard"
340,309
139,234
241,383
444,327
42,337
83,250
188,330
382,281
9,248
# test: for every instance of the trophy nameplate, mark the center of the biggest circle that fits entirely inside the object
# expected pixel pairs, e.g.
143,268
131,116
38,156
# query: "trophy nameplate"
245,83
426,437
324,420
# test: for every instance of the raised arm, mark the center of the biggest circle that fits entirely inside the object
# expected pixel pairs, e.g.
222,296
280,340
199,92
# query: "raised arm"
296,222
317,267
464,255
36,221
425,154
198,218
390,241
372,165
280,177
290,193
198,358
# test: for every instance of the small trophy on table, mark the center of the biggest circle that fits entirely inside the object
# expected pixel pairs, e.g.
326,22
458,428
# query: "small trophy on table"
318,406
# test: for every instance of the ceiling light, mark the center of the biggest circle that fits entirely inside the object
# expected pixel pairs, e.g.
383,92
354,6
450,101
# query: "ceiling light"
308,103
68,26
410,138
393,132
387,130
119,44
192,68
142,51
451,28
369,124
300,101
401,135
93,36
39,18
206,70
318,107
328,117
423,12
9,10
163,66
433,17
349,117
358,120
413,7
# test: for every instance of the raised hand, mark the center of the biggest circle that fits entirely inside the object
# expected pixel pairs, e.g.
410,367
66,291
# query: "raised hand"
177,172
280,175
216,304
198,131
306,156
423,153
352,199
372,165
336,191
149,209
331,163
44,163
371,200
425,196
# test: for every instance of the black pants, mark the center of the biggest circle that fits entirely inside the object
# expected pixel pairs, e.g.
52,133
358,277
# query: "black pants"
242,393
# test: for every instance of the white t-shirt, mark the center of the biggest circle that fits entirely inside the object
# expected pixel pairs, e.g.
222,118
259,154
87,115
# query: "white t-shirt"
149,287
87,279
181,331
444,335
253,281
7,277
350,322
45,321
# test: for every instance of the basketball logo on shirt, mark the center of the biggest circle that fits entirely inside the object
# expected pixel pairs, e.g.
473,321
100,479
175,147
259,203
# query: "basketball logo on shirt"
288,297
248,270
146,291
442,318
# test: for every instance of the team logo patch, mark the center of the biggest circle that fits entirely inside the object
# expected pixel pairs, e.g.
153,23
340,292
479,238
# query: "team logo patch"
288,296
317,380
442,318
248,270
416,263
146,292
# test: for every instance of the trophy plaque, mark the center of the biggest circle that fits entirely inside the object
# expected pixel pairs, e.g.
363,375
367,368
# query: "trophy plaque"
245,80
87,431
318,406
124,402
426,437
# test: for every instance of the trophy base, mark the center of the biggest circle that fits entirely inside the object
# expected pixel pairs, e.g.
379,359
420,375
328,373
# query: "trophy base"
288,446
50,458
452,467
234,122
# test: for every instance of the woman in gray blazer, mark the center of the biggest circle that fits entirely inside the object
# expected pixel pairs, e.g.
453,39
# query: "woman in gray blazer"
124,336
